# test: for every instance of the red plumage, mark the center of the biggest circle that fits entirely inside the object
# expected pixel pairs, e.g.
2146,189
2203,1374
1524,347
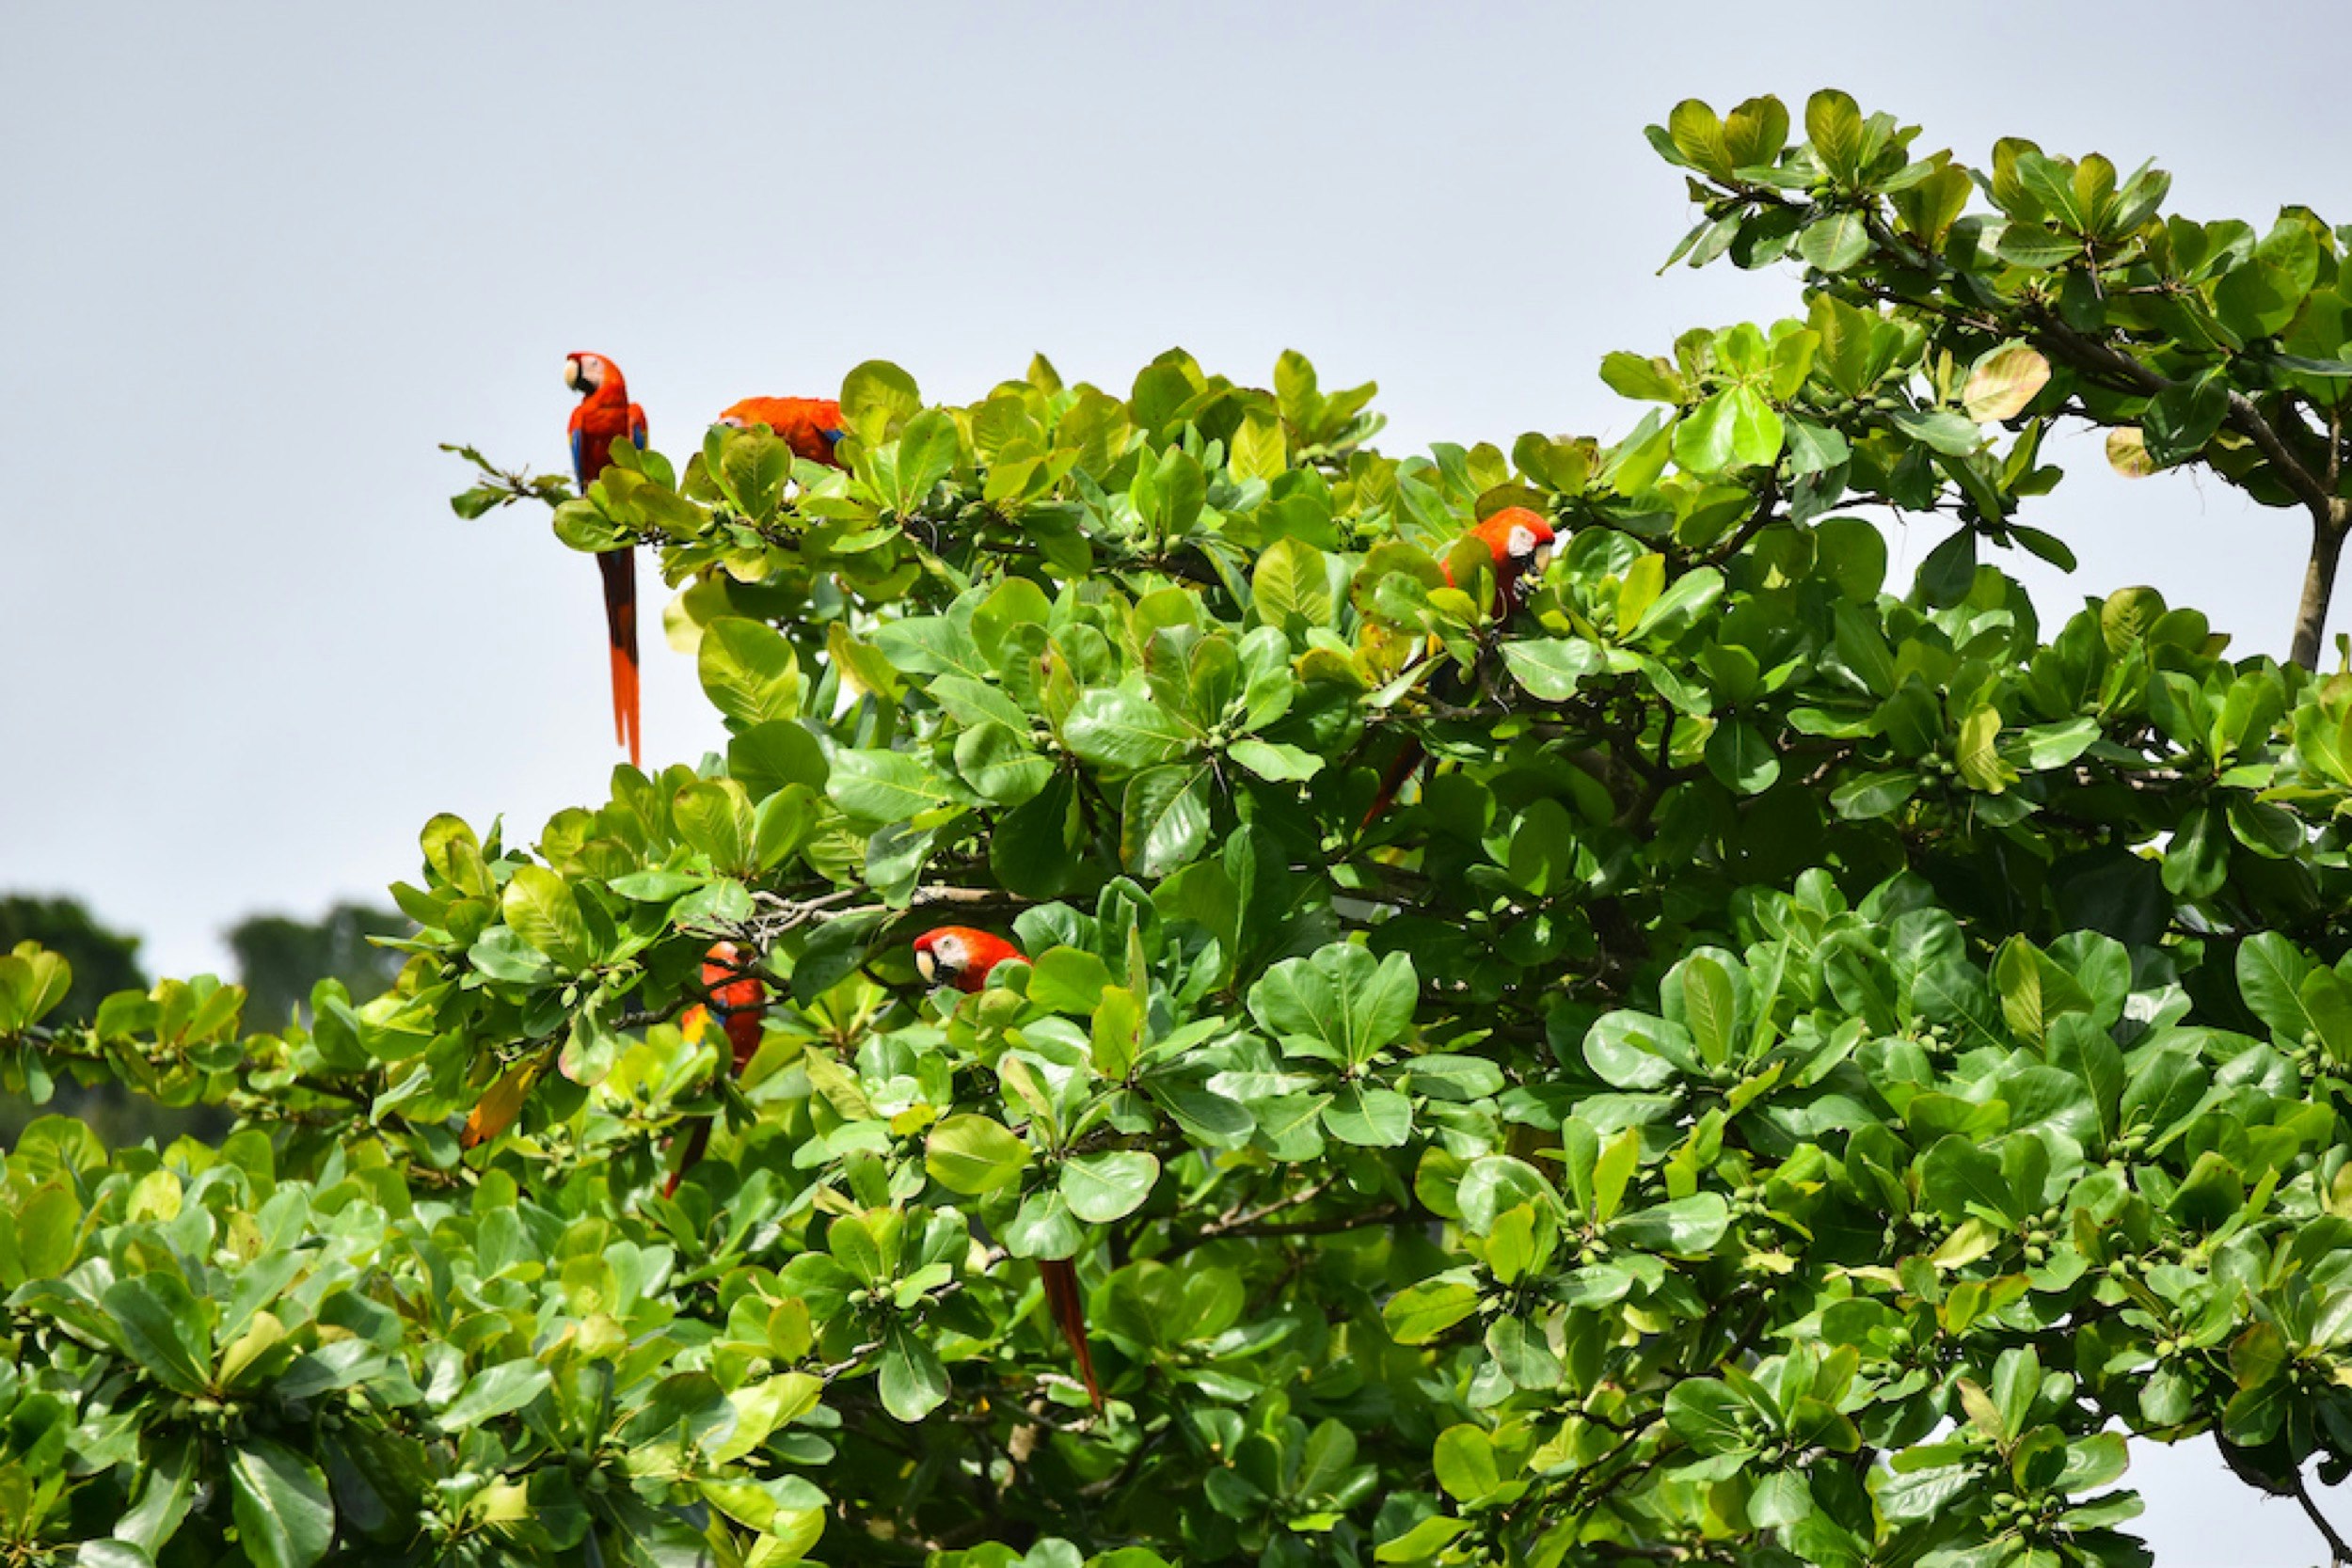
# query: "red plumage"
605,415
738,999
962,957
1059,1276
810,426
1517,540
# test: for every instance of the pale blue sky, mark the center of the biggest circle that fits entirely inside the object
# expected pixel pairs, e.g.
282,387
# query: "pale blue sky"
261,259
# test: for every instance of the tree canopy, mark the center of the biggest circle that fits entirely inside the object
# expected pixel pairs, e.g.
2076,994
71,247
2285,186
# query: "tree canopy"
1813,1068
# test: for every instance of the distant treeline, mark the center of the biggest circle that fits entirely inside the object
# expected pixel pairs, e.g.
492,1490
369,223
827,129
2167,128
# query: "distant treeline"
278,959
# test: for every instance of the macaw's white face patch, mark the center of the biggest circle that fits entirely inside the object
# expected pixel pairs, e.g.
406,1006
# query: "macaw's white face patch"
942,961
733,421
584,373
1522,543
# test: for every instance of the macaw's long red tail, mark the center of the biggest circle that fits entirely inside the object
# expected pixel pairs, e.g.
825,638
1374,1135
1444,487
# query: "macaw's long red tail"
696,1141
1406,762
620,623
1060,1277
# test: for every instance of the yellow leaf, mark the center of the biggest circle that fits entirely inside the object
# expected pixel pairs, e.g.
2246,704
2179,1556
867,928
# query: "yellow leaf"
2003,382
2127,453
498,1108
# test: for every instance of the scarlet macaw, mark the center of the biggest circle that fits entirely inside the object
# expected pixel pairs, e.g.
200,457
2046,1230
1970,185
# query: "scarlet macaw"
738,999
604,416
1519,541
961,957
810,426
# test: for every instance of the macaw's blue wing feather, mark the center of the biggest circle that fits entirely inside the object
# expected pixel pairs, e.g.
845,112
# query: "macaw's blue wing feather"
637,432
580,458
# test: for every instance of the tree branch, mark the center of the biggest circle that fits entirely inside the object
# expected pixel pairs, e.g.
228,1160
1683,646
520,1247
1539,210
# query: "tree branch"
2338,1549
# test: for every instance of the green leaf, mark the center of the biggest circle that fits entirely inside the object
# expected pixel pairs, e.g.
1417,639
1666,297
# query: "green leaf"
1124,730
1835,243
883,786
1464,1461
1636,1051
1551,668
1291,585
1103,1187
1164,820
2183,417
1833,123
877,395
912,1383
1980,764
1276,764
1340,1004
1939,430
2036,248
749,670
753,465
1644,579
1259,450
1958,1178
165,1329
2197,861
927,450
48,1231
715,817
540,907
2270,975
167,1488
1419,1313
973,1154
1757,431
494,1391
1875,793
1709,1008
1372,1117
1649,380
1705,439
285,1516
767,757
1740,755
1686,600
1068,979
1685,1228
1043,1228
1707,1415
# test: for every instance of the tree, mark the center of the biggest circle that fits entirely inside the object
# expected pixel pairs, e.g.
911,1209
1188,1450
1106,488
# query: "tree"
103,960
281,958
1809,1071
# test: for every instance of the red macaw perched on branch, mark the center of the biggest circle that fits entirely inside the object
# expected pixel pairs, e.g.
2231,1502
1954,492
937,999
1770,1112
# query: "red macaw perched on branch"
1519,541
810,426
962,957
737,999
604,416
